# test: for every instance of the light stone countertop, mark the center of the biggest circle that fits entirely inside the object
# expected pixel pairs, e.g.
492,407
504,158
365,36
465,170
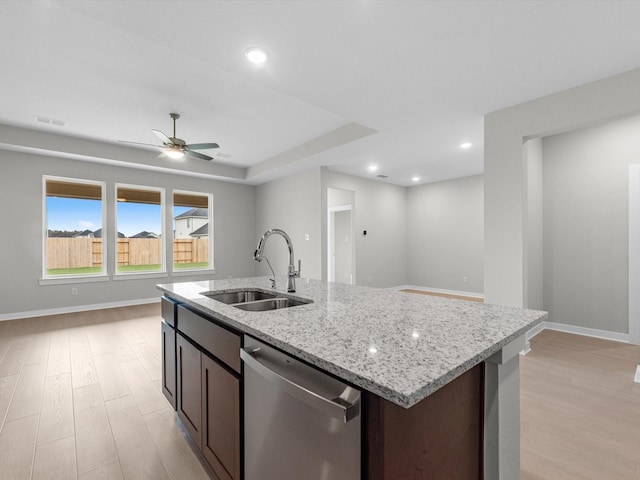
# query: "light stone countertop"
400,346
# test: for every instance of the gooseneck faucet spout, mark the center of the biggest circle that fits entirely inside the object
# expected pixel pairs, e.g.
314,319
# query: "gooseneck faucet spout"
292,273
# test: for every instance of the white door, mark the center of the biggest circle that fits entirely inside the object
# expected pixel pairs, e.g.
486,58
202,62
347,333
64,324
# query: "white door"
340,242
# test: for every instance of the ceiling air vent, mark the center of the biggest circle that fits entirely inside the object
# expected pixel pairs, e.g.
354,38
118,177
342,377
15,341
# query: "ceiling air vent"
50,121
382,176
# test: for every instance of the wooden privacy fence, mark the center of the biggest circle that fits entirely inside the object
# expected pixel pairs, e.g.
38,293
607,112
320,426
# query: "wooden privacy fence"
190,250
87,252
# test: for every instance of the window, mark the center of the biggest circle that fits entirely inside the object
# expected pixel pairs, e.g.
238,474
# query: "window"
73,224
192,231
139,221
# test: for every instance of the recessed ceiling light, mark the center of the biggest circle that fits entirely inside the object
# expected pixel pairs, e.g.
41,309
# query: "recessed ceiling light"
466,145
415,179
256,55
373,168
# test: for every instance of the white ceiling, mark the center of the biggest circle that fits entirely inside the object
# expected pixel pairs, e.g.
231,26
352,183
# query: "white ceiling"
348,83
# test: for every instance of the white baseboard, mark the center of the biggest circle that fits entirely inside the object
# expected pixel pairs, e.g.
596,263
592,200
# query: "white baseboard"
439,290
79,308
589,332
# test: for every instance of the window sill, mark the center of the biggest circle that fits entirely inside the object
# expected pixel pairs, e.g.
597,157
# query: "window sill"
189,273
66,280
141,275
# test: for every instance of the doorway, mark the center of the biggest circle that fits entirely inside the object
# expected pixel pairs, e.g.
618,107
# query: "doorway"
341,247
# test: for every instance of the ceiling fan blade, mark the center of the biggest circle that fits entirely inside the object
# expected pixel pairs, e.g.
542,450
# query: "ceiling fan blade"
138,143
199,155
166,140
202,146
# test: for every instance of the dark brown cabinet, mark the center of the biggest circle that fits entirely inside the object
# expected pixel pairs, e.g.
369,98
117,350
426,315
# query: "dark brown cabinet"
441,437
189,388
168,342
208,388
221,419
169,363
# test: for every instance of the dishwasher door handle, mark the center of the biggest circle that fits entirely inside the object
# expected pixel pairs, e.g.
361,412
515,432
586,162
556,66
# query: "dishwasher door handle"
334,407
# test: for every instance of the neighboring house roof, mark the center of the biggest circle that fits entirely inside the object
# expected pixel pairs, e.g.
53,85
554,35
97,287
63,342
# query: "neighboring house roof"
194,212
85,234
144,234
98,234
203,231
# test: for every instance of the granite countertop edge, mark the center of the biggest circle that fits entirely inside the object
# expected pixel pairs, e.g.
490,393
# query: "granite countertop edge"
382,380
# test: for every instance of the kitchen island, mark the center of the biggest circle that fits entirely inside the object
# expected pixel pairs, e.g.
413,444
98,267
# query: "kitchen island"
411,354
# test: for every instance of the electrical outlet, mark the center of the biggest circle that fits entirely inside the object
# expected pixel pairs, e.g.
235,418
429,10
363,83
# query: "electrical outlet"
465,279
369,279
74,291
306,236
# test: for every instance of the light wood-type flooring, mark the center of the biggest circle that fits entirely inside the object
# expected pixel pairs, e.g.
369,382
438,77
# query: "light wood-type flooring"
580,409
80,398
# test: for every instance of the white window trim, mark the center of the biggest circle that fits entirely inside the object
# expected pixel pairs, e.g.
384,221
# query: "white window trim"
163,235
193,271
67,279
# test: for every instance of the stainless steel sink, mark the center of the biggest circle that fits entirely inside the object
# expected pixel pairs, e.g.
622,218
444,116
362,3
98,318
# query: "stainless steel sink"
240,296
270,304
254,300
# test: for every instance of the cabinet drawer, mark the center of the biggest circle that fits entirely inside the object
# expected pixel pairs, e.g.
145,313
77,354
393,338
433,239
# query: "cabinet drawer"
168,311
213,338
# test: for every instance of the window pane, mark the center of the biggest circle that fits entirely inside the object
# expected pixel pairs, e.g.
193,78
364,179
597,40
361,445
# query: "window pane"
74,244
190,231
139,222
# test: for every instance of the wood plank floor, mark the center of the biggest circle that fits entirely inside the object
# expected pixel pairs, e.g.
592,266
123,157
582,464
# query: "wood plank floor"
444,295
80,399
580,409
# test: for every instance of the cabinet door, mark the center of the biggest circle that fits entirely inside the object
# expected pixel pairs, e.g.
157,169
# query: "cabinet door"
189,391
221,419
169,363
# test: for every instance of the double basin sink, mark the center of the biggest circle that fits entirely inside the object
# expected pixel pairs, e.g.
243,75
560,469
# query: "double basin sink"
255,300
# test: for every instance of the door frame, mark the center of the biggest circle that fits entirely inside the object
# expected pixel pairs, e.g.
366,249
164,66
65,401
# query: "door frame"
331,220
634,253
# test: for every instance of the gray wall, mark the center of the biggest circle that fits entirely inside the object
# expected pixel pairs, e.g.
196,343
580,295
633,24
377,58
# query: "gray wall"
586,181
343,246
534,226
293,204
445,235
380,209
21,240
505,174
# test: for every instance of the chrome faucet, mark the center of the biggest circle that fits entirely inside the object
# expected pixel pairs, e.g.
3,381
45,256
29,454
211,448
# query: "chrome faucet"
258,255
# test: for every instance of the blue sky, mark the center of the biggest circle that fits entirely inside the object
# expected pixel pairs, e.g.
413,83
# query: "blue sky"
80,214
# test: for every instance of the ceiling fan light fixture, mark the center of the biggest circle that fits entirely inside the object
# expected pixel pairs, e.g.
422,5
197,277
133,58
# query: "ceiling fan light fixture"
174,154
256,55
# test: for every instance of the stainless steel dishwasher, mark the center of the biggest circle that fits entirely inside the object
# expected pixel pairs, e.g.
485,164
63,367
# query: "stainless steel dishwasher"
299,423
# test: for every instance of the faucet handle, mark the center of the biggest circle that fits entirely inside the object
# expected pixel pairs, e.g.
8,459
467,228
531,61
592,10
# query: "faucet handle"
299,268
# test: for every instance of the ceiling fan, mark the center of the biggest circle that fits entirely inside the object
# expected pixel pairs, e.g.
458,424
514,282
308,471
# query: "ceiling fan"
174,147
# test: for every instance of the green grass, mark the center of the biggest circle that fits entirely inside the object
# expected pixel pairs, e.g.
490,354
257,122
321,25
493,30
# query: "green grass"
74,271
122,269
178,266
139,268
